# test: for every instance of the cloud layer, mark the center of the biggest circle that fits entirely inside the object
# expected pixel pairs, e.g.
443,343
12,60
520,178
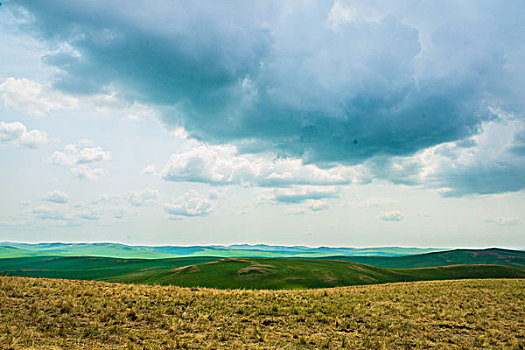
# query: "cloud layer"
328,82
394,79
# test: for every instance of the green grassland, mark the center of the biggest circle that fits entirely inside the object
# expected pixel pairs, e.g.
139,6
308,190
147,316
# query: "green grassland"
62,314
92,268
246,273
301,274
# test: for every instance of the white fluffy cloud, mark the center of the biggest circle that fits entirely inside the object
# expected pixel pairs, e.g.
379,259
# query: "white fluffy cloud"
372,202
57,197
299,194
394,215
147,197
80,154
84,172
191,204
106,209
149,170
17,133
79,158
84,211
317,204
221,165
309,204
295,211
503,221
37,99
33,98
46,212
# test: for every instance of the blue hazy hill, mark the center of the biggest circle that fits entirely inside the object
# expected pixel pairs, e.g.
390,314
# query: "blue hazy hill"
118,250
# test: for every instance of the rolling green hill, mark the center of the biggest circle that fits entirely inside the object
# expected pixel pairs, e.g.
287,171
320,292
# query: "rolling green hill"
91,268
299,274
493,256
248,273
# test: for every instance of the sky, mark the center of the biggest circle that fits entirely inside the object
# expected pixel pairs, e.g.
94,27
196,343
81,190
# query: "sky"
317,123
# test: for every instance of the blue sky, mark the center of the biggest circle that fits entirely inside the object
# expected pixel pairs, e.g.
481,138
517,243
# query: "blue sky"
339,123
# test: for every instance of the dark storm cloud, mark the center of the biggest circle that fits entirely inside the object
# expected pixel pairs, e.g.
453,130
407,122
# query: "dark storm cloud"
327,83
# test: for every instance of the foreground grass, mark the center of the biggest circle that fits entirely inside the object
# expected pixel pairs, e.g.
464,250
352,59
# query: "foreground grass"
467,314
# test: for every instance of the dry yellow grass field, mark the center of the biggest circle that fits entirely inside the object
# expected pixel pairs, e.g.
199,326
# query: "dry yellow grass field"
466,314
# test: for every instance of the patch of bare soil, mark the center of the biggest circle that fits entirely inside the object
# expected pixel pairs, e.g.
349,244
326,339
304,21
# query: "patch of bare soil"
234,259
190,268
256,267
251,269
329,278
193,269
367,279
263,265
355,267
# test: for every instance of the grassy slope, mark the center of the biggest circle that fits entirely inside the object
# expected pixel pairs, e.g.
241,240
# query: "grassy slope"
60,314
297,274
91,268
492,256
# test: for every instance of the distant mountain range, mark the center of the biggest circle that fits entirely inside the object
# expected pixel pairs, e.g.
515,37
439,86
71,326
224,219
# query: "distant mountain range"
117,250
